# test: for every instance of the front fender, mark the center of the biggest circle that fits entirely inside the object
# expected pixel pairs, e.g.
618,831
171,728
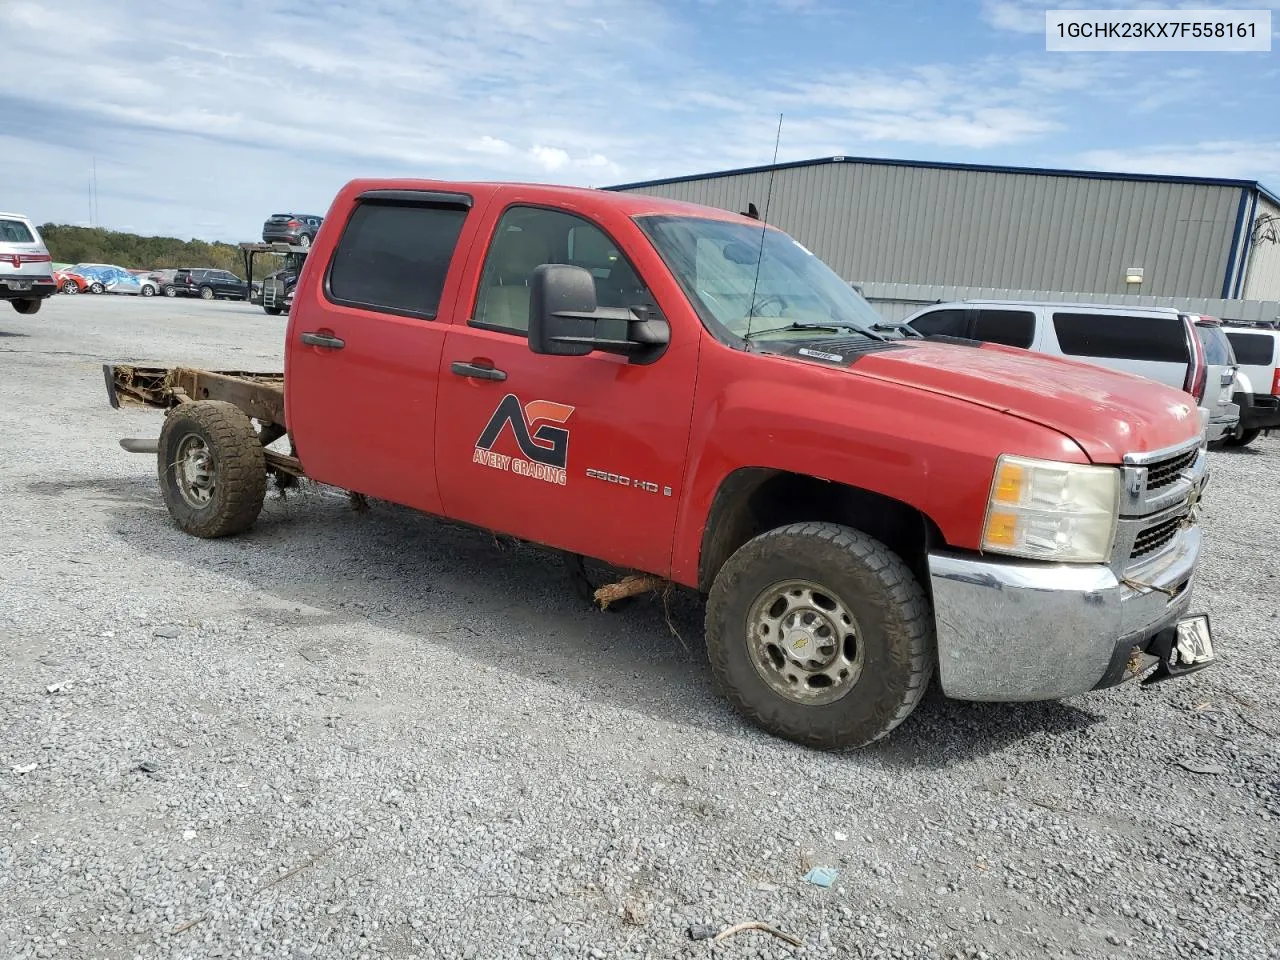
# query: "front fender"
933,452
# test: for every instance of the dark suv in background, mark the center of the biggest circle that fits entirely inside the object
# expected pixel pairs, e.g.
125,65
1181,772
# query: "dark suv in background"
206,284
298,229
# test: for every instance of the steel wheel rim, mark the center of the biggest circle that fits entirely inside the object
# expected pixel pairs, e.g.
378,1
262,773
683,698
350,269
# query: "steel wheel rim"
195,471
804,642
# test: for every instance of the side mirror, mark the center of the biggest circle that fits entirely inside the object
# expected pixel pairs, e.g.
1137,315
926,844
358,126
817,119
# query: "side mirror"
565,320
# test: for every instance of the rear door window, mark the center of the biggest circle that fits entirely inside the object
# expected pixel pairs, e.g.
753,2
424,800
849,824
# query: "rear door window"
394,257
947,323
1252,349
1217,348
15,231
1120,337
1013,328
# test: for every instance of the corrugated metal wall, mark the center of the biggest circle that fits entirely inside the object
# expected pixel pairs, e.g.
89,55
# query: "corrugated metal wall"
894,301
1263,277
993,229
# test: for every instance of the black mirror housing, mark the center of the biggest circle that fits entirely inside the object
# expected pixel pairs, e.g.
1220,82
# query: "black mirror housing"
564,318
562,304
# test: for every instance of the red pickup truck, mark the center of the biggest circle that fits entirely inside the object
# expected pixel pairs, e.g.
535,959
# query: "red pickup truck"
691,395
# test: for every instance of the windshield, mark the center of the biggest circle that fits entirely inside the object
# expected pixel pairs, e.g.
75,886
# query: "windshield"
715,261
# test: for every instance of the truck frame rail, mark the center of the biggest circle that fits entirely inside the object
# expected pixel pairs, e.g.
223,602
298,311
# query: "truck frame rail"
259,394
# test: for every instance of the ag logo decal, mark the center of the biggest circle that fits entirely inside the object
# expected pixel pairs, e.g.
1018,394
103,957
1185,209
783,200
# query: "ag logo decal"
545,446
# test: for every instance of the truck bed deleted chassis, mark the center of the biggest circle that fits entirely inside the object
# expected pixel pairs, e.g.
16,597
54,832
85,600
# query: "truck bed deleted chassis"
259,395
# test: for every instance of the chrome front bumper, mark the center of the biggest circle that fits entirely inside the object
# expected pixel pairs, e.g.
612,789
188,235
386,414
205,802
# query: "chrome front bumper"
1017,630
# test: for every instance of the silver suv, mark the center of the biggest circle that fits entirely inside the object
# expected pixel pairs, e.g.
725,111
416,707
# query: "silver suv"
26,269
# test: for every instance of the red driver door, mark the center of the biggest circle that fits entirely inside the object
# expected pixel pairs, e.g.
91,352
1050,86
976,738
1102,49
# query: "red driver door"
581,453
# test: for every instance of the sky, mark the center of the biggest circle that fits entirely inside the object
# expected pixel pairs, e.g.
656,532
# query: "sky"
207,117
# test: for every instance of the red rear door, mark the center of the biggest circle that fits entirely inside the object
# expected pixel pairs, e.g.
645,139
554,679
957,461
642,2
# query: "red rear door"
582,453
365,337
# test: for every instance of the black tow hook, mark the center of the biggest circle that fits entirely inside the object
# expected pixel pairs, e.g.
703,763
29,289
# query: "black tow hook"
1169,665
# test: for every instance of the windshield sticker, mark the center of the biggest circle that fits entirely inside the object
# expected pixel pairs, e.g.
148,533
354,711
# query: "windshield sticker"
544,445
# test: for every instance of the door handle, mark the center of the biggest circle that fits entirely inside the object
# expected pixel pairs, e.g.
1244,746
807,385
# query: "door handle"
464,369
323,340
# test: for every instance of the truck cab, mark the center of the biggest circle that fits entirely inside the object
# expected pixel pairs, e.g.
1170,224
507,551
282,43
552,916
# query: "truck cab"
691,395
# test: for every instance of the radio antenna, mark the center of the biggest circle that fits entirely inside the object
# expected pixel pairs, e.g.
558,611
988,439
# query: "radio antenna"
764,226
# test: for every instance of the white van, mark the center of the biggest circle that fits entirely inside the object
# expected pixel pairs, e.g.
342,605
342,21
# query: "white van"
1159,343
1257,352
26,269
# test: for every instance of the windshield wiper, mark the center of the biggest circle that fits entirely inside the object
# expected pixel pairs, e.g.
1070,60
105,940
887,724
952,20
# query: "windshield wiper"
834,327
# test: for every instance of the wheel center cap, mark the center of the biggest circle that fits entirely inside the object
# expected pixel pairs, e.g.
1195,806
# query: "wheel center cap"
802,644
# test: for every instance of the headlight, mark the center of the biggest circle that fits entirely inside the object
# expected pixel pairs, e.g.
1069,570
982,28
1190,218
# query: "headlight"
1052,511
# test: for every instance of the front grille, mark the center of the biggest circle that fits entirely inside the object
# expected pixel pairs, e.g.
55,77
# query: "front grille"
1165,472
1155,537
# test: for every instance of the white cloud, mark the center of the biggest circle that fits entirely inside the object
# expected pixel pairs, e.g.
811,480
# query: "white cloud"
1016,15
1230,159
551,158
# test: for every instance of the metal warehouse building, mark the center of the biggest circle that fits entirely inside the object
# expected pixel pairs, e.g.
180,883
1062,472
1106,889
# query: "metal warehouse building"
948,225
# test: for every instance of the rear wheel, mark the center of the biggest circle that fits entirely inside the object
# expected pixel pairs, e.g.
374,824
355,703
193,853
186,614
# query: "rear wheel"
213,471
26,307
96,287
820,634
1240,437
304,241
169,291
206,293
273,311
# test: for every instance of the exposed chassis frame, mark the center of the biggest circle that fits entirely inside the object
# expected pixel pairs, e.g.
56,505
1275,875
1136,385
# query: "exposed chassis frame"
259,395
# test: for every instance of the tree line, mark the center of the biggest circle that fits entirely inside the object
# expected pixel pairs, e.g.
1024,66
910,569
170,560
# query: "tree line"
69,244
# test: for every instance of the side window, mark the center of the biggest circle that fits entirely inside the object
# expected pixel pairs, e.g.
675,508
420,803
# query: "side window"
394,257
1013,328
947,323
1252,349
526,238
1217,348
1154,339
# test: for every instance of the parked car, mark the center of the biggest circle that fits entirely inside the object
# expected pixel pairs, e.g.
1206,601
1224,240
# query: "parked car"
299,229
1257,351
1159,343
859,511
1220,378
26,269
207,284
109,278
68,281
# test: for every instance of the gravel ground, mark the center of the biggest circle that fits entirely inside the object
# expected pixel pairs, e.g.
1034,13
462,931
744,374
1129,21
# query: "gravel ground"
377,735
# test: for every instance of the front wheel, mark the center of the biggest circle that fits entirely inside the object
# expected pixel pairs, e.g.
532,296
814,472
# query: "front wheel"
96,288
820,634
26,307
148,291
70,286
213,471
1240,437
271,311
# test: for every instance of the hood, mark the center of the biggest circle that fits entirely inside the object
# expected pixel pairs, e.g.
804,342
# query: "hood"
1106,412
